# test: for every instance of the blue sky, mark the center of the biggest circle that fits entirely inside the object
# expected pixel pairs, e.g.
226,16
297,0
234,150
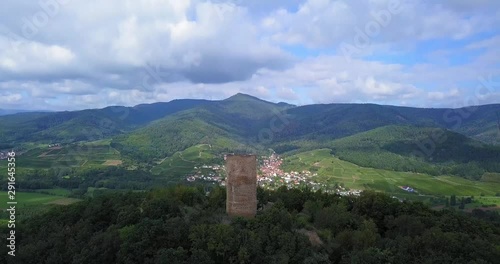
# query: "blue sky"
69,55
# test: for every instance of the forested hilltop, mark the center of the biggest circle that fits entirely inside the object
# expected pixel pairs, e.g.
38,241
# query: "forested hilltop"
184,225
463,141
467,142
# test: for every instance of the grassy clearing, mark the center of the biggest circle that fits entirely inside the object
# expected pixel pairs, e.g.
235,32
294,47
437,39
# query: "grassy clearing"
333,170
27,199
33,203
112,163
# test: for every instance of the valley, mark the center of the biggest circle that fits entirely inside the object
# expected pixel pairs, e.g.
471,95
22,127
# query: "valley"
176,150
200,164
268,132
337,148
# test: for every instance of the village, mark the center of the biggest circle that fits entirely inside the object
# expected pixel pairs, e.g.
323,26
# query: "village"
270,176
211,173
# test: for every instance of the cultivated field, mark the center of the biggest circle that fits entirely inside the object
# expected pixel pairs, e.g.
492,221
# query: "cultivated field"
74,156
183,162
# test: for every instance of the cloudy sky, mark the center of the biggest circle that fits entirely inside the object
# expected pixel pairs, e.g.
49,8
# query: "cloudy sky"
74,54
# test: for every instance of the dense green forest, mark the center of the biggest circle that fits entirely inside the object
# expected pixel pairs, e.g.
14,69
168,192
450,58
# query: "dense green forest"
251,121
85,125
79,180
434,151
232,124
386,137
244,116
165,139
183,225
378,136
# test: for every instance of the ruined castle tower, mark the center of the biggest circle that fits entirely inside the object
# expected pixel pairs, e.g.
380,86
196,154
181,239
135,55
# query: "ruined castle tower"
241,185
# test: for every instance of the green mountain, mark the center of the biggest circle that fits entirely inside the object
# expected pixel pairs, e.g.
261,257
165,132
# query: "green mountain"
330,121
390,135
231,125
85,125
435,151
247,116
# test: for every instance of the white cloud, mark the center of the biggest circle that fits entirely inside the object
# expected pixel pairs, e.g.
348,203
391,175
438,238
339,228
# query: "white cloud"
11,98
188,38
326,23
287,94
453,93
379,90
130,52
33,57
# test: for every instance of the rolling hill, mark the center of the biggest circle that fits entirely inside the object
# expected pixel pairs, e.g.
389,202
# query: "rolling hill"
330,170
247,116
435,151
330,121
385,137
262,124
231,125
85,125
371,135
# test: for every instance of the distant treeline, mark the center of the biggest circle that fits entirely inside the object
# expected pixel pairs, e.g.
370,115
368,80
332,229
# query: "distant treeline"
80,179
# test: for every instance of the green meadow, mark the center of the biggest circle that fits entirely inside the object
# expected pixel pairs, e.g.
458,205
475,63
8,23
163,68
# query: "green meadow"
31,199
33,203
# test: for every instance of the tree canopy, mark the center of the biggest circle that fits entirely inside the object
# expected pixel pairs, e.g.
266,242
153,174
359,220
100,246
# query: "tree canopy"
184,225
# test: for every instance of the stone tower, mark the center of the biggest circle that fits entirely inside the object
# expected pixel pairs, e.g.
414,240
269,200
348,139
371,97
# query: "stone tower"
241,185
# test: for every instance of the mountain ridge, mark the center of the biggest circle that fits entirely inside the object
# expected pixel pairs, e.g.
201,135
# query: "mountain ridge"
148,133
246,117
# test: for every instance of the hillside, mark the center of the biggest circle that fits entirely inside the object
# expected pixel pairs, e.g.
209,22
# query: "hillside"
247,116
232,125
242,123
165,137
183,163
85,125
366,134
435,151
331,170
331,121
